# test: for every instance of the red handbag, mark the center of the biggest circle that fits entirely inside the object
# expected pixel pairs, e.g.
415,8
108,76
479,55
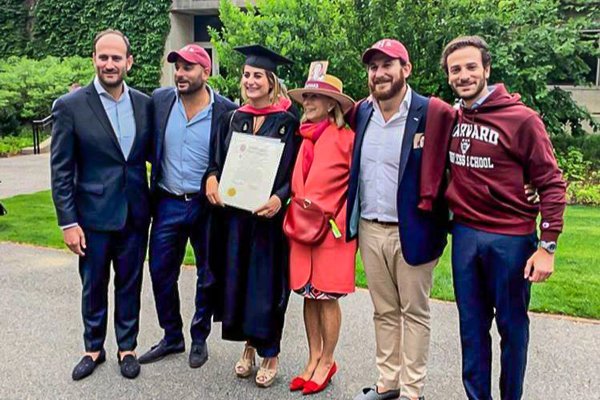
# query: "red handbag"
306,222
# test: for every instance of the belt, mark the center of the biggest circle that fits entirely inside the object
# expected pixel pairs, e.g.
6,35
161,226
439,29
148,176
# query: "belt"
382,222
184,197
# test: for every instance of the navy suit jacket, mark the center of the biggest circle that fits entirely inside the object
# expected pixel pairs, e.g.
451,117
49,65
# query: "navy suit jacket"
92,182
422,234
162,104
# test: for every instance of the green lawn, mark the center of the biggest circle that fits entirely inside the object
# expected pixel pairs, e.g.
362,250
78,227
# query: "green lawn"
574,289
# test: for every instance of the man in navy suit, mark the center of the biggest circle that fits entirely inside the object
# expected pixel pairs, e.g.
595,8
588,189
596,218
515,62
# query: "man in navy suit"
399,244
100,144
185,120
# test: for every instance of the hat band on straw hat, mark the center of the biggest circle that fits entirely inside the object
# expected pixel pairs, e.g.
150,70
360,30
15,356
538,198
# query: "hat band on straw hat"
321,85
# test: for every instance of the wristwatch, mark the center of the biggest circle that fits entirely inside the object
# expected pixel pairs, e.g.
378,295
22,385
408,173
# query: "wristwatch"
550,247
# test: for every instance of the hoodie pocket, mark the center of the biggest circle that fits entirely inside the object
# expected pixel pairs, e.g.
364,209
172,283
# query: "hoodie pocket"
477,203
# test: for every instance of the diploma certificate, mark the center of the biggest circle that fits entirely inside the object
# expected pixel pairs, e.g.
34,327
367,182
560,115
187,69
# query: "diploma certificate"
249,172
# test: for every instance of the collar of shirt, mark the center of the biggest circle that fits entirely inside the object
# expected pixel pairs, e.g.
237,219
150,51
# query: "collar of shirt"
479,101
103,93
402,110
206,111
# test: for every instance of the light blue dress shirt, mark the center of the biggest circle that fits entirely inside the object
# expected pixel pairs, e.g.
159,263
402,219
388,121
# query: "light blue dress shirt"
480,100
380,162
120,114
186,148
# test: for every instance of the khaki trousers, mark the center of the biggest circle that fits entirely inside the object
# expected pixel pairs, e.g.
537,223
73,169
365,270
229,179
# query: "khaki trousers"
400,295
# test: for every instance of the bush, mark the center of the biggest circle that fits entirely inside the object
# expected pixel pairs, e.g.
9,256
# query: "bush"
588,145
582,178
28,87
583,193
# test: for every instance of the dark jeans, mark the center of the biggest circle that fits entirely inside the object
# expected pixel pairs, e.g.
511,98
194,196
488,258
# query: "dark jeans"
126,249
175,221
488,282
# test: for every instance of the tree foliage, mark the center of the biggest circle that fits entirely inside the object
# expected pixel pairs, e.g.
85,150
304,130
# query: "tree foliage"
532,43
65,28
28,87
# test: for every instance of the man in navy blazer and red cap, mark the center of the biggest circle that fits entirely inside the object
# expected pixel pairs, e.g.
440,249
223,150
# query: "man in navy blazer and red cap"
399,244
184,121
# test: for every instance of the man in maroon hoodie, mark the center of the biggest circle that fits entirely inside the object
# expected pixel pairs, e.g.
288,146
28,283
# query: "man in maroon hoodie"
496,146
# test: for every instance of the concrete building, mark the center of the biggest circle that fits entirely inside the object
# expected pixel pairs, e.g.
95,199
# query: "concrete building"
190,20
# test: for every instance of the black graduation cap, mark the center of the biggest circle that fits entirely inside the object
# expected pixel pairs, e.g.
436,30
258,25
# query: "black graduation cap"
261,57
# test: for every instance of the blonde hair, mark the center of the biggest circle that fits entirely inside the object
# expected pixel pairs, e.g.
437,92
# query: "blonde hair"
336,115
276,92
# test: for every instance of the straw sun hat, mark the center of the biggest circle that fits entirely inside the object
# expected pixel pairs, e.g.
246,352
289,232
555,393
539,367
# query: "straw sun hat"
325,85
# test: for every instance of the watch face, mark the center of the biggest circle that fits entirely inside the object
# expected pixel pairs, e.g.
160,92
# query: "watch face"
548,246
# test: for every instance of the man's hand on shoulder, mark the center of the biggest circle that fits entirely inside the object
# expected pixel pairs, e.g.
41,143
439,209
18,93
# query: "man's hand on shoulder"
540,266
75,239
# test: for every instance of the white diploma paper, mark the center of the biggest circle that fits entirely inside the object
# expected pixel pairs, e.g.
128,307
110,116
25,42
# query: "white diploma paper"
249,172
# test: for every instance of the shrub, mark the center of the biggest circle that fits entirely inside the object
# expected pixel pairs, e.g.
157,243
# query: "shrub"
588,145
582,178
28,87
583,193
573,165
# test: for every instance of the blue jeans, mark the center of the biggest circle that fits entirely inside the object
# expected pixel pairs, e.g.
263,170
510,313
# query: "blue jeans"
488,282
175,221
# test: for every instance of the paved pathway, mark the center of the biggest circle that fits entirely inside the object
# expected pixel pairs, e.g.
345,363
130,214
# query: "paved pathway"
41,341
24,174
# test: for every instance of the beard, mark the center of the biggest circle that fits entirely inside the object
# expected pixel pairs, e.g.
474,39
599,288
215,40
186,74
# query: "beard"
468,97
192,88
111,83
396,87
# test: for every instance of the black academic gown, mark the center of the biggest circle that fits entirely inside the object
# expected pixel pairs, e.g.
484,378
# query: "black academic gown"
249,254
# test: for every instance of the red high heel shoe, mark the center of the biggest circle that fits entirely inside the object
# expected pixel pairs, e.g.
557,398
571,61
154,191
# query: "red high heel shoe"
312,387
297,384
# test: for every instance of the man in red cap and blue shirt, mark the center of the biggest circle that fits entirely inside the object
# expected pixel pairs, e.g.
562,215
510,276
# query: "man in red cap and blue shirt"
185,119
496,146
399,244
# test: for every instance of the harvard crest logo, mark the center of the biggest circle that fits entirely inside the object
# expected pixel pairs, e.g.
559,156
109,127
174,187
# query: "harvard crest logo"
464,145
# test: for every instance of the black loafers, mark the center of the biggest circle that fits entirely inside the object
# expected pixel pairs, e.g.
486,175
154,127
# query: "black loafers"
87,365
130,367
160,350
198,355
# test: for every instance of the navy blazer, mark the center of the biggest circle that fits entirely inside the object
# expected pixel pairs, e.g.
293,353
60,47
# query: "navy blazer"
92,182
162,104
422,234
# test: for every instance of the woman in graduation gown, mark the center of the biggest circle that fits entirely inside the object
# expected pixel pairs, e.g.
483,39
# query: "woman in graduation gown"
248,250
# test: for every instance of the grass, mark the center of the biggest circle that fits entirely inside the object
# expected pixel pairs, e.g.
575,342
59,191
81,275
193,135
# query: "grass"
574,289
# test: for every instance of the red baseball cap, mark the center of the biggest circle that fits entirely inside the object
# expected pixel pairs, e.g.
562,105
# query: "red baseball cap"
191,53
390,47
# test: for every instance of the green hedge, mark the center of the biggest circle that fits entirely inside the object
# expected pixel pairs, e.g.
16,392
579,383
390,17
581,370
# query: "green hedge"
28,87
589,145
13,35
65,28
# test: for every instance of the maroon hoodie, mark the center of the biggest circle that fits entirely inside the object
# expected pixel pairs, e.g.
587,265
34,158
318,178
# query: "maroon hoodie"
494,150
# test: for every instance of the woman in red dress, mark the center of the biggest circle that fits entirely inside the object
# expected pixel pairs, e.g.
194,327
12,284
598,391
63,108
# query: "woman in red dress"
322,273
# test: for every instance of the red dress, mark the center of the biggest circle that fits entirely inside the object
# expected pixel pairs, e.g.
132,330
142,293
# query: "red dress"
328,267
